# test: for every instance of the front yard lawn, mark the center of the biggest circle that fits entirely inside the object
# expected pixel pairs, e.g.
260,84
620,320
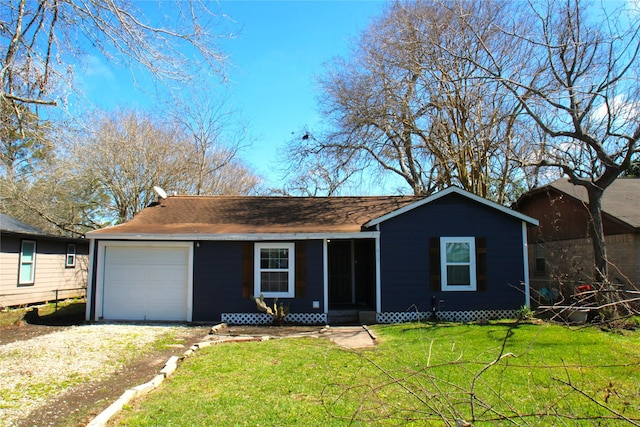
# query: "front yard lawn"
419,374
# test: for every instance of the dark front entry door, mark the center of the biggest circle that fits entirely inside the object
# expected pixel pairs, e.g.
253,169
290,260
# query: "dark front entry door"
340,272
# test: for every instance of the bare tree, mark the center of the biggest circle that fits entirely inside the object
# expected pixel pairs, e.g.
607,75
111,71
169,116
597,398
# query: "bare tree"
126,156
129,153
405,104
311,172
23,144
214,138
44,44
43,41
55,199
578,81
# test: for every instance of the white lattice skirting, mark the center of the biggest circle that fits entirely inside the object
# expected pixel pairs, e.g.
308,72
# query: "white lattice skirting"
386,317
447,316
265,319
402,316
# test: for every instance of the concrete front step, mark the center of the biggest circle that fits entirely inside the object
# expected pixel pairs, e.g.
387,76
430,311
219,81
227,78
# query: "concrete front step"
351,317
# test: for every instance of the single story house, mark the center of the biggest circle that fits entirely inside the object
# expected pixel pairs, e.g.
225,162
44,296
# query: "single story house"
452,255
561,252
36,266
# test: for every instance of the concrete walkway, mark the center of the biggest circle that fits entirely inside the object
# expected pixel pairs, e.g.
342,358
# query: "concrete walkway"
345,336
352,336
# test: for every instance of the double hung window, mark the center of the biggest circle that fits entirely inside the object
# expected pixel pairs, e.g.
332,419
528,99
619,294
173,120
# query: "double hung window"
274,270
458,263
27,271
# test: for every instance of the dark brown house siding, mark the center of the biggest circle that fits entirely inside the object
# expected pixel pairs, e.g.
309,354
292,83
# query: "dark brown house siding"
563,218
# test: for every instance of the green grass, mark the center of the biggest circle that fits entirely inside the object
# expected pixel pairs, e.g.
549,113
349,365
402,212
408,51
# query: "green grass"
11,316
420,374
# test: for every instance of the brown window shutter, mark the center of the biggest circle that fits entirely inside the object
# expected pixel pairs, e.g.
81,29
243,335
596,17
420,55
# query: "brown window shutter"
481,263
434,263
301,270
247,269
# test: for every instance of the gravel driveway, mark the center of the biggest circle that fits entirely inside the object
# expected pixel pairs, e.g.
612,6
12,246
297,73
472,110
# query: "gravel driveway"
35,371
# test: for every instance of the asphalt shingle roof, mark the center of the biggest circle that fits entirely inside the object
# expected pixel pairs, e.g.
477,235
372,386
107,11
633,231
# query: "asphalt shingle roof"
253,214
621,199
11,225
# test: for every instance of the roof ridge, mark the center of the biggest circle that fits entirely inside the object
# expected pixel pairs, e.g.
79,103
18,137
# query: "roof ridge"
229,196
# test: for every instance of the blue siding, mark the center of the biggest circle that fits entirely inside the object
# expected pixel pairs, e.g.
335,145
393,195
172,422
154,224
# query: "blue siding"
217,281
405,269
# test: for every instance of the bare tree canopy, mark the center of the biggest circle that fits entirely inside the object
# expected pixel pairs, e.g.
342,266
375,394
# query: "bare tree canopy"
105,175
130,153
44,41
46,46
578,81
24,140
405,104
215,137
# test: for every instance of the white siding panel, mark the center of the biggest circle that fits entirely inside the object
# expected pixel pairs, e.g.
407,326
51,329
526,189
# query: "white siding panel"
145,283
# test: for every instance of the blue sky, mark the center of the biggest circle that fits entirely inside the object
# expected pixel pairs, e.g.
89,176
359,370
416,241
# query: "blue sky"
279,50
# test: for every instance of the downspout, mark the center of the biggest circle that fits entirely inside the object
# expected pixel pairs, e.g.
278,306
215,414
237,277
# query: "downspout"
525,255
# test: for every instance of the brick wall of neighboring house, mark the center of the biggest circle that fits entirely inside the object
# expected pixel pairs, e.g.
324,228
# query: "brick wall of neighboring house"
569,263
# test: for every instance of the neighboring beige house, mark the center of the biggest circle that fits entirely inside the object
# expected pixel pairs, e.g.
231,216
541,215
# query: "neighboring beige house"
38,267
560,249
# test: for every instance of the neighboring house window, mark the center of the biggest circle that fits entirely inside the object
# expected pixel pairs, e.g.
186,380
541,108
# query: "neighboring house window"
274,270
70,261
458,263
540,259
27,262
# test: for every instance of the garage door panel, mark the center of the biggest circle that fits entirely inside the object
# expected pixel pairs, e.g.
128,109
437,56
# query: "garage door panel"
147,255
145,283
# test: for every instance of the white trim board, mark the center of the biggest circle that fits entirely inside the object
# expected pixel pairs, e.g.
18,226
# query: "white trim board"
257,237
446,192
100,272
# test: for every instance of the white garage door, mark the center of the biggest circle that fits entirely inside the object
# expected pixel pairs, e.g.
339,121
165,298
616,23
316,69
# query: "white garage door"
145,283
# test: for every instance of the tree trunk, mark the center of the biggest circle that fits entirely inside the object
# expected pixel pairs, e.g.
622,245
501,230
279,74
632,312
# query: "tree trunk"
606,295
597,233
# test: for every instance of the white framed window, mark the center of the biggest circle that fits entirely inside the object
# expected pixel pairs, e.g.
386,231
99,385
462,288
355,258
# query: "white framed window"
274,270
70,261
458,263
26,275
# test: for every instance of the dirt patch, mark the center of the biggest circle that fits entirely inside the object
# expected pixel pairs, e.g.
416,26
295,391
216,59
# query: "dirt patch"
32,324
24,331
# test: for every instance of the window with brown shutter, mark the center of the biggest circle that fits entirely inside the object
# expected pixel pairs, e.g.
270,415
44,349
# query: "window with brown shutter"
274,269
458,263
